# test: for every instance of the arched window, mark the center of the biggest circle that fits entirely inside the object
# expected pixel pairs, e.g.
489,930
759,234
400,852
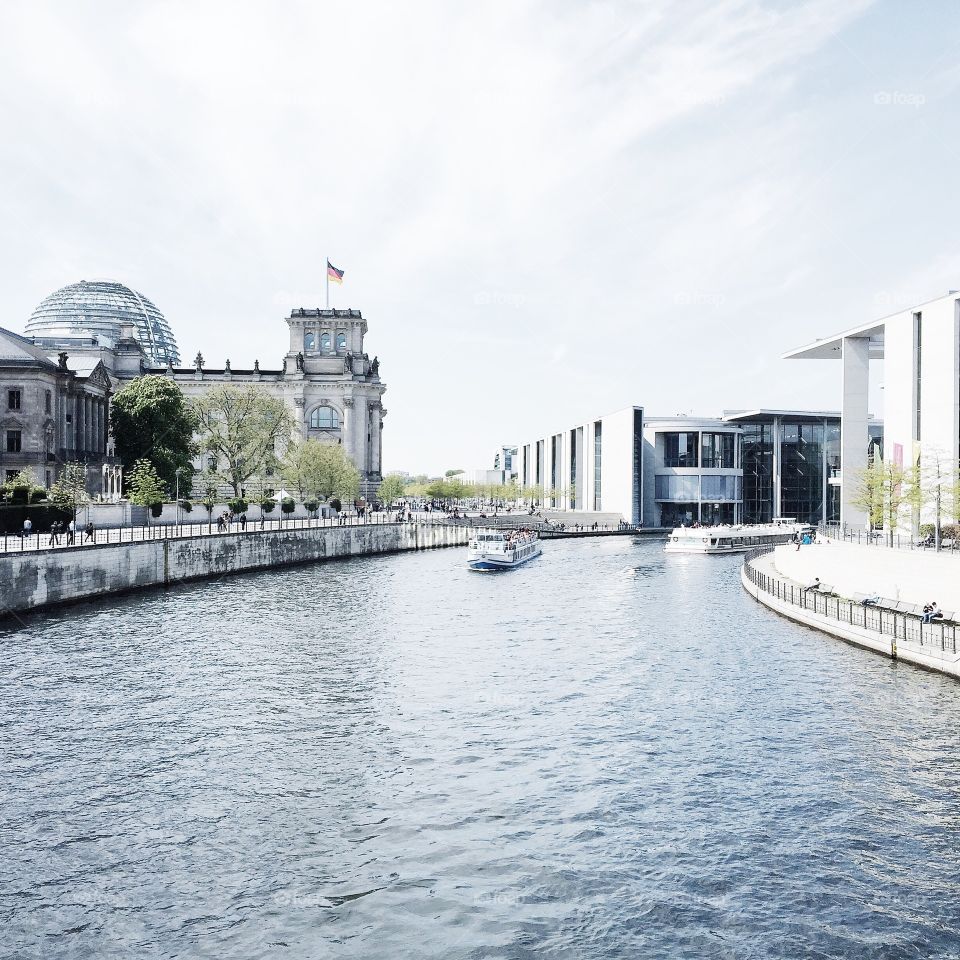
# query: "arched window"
324,418
325,342
341,342
308,341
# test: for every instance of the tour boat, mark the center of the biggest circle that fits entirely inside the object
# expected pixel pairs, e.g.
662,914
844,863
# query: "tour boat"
733,539
502,549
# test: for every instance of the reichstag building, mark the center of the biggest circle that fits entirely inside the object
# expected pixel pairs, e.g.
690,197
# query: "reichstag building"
88,339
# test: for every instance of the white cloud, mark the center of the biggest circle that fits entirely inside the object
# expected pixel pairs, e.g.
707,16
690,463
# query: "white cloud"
614,199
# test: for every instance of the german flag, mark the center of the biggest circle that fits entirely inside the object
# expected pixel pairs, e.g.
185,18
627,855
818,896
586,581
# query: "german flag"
333,273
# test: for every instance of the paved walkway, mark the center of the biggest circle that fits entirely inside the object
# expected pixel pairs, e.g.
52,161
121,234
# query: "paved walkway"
14,543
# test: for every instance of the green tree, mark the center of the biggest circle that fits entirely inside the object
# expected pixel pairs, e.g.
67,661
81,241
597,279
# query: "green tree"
452,473
320,470
936,488
144,485
70,490
391,489
152,420
882,490
240,429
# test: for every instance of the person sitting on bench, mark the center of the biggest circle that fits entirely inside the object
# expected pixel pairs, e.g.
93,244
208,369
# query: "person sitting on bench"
813,586
931,612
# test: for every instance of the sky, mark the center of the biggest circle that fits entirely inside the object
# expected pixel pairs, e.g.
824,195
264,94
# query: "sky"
545,211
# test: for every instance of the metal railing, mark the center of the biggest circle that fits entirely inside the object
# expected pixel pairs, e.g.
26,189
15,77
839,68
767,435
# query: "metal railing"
877,538
890,623
20,543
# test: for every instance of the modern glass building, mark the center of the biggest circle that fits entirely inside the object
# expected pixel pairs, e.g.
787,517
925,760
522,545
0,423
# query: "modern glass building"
693,472
97,310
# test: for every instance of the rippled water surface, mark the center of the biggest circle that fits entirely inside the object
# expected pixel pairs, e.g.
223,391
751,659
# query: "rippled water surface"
608,753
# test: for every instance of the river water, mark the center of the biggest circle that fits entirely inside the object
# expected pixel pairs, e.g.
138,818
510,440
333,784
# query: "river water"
608,753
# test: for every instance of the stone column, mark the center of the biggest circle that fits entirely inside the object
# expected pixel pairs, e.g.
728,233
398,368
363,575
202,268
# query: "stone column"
346,432
853,426
299,407
375,437
361,422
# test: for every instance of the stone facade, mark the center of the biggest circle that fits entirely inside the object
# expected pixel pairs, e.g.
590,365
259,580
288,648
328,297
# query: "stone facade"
331,386
51,414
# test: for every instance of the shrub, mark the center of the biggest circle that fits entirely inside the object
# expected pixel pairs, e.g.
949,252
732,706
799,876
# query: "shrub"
288,505
186,506
267,505
19,494
335,503
311,506
38,496
156,509
237,505
209,503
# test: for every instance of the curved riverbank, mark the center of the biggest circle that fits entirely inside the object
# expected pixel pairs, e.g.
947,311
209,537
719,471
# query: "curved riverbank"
42,578
890,633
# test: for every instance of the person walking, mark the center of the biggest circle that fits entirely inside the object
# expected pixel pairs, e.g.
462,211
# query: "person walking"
55,533
27,528
89,533
243,521
71,532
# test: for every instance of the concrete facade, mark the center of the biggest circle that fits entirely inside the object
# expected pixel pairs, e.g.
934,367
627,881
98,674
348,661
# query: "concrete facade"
595,466
920,350
32,580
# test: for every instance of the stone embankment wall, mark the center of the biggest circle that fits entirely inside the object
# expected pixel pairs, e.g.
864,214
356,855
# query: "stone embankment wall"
40,578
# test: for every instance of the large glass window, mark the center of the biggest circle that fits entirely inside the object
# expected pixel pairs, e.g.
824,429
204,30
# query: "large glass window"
13,399
670,487
679,514
597,450
716,513
757,472
325,342
14,439
721,487
341,342
324,418
680,449
637,466
573,469
801,472
718,450
308,341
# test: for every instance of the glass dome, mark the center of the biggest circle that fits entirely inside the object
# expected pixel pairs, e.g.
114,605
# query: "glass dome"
98,308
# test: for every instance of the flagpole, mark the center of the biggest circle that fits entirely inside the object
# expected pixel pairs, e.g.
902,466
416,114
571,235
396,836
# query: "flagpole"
327,272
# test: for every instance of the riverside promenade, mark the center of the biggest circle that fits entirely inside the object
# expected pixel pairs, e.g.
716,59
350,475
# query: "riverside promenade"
780,579
143,558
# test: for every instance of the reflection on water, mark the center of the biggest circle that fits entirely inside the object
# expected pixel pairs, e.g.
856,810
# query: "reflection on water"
606,753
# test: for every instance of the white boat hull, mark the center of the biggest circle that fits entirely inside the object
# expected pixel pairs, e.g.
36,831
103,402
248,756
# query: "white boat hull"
492,551
738,539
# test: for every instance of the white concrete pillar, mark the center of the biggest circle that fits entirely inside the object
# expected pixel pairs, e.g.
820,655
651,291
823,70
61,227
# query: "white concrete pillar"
853,426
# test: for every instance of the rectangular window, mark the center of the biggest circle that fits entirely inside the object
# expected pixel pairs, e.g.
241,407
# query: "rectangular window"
637,467
13,399
917,369
11,474
757,454
573,469
680,488
717,450
597,472
48,402
13,441
680,449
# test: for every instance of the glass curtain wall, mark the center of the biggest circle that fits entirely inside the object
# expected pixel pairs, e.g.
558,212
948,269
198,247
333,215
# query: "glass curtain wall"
597,471
680,449
718,450
757,440
801,471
